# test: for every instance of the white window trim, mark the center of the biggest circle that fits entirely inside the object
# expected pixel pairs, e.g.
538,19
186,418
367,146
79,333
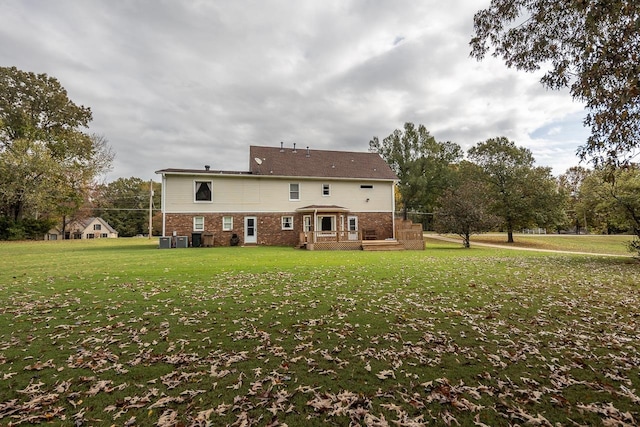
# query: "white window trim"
195,225
290,184
195,190
355,223
307,223
230,227
283,222
333,224
328,190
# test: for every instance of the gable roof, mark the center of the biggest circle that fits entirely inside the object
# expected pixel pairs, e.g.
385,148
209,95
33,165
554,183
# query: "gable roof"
318,163
86,222
287,162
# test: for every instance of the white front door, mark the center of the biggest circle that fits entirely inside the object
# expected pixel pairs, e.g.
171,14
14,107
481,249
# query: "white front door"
250,229
352,227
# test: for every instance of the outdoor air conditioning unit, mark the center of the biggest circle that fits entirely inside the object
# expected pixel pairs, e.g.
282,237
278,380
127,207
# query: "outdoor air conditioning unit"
182,242
165,243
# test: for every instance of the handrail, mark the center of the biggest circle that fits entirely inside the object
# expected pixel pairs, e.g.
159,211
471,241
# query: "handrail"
330,236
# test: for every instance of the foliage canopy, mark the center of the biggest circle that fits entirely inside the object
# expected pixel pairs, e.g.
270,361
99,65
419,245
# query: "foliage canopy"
420,162
522,194
47,160
590,46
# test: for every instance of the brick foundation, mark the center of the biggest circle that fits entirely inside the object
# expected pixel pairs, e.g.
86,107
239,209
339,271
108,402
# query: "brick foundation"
268,227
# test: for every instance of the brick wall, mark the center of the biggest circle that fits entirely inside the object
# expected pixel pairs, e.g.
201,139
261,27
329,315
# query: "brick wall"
268,227
381,222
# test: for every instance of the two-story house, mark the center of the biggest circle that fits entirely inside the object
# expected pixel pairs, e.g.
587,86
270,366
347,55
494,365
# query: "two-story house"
318,199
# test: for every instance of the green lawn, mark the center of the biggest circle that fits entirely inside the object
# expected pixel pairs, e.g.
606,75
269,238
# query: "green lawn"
121,333
592,243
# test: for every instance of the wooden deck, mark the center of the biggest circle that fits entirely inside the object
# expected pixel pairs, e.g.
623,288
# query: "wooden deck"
408,236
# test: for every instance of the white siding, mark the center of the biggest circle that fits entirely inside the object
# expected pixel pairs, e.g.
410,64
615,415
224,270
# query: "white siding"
265,194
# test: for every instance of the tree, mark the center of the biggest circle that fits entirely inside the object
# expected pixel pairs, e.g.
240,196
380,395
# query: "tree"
590,46
124,204
47,161
463,207
420,162
570,184
614,196
522,195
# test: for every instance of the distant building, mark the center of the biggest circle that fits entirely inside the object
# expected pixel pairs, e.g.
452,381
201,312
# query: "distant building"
87,228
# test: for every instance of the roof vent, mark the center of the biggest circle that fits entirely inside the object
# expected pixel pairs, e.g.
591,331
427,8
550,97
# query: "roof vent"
308,152
294,147
281,146
207,167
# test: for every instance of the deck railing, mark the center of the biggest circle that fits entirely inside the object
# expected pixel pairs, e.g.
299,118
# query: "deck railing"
330,236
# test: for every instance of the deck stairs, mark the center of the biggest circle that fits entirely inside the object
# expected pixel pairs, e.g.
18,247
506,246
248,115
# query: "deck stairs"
382,245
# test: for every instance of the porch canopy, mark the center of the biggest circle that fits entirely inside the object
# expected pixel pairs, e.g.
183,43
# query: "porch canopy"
325,224
322,209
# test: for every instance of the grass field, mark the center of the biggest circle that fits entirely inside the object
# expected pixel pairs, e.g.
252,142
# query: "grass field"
615,244
121,333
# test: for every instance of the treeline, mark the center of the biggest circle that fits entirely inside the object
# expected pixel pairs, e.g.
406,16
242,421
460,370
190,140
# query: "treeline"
126,204
497,186
50,165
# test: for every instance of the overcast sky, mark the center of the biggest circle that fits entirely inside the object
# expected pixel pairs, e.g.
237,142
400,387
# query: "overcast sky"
187,83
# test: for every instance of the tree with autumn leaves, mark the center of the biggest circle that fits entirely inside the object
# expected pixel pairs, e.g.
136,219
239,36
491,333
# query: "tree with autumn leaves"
591,47
48,161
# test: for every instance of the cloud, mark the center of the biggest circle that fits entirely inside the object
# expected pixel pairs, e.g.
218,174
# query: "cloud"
181,84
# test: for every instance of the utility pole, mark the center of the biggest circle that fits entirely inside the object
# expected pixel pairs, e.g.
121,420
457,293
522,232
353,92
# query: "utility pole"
150,208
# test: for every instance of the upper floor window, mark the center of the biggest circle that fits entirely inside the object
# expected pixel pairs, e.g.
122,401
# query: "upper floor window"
366,186
294,191
97,226
326,189
203,191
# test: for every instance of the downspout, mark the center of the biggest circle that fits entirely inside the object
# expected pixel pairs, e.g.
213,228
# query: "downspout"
393,210
163,204
315,224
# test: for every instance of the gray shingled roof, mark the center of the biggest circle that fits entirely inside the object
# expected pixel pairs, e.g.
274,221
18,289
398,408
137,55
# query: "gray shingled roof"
318,163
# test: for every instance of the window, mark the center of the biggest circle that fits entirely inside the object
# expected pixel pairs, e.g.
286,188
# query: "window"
366,186
227,223
90,236
97,227
287,223
198,223
104,235
327,223
294,191
203,191
326,189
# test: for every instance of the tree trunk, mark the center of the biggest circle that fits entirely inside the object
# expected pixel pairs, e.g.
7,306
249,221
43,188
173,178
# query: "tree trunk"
509,236
17,209
467,240
64,226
